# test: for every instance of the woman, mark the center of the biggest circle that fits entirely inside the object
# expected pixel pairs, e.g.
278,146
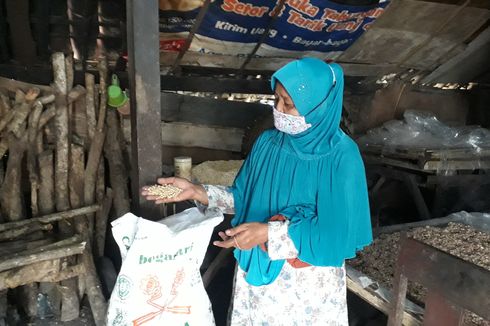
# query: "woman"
300,203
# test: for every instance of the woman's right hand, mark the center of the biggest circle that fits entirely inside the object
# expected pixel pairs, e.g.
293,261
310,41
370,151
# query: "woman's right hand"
190,191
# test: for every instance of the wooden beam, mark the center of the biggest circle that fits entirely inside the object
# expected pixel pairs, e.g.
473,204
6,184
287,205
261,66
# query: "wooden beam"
209,111
463,283
264,64
194,135
377,302
144,78
215,85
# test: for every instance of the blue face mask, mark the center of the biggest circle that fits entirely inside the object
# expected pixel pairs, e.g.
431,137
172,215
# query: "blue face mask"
289,124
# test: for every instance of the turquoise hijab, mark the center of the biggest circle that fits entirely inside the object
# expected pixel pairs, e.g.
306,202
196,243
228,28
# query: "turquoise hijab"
316,179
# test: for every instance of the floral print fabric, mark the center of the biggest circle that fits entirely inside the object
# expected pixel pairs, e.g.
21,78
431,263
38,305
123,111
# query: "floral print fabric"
221,197
280,245
311,295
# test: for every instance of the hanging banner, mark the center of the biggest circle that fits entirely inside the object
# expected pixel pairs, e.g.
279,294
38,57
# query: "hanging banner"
234,26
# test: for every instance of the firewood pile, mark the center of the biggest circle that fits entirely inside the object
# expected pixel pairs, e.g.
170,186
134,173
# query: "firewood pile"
62,172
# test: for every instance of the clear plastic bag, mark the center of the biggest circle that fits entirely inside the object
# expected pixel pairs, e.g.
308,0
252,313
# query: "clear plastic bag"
424,130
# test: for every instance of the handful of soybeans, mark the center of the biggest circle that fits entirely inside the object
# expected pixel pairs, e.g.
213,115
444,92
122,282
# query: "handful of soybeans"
164,191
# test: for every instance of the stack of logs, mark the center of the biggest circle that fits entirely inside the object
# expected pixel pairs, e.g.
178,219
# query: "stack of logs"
56,143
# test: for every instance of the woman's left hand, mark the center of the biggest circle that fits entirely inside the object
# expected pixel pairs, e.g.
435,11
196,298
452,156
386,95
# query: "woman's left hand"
244,236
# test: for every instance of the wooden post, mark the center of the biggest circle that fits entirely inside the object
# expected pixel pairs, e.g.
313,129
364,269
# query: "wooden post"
70,302
76,184
144,78
32,168
61,125
47,206
46,183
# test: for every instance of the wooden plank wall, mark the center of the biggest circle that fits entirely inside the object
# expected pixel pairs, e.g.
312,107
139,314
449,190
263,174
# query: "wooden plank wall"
203,128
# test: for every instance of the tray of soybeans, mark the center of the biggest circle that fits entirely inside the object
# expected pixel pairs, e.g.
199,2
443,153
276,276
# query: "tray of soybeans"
370,274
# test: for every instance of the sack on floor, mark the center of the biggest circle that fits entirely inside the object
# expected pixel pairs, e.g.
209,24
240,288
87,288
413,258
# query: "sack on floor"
159,282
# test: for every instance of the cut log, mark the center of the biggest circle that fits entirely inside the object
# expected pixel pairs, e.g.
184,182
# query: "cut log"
46,183
101,223
19,97
77,184
47,99
91,173
90,105
13,85
45,271
47,219
103,92
28,274
47,115
32,151
76,93
96,146
22,111
60,249
4,104
23,230
59,73
93,289
6,118
62,152
100,183
47,206
69,72
79,122
117,169
11,199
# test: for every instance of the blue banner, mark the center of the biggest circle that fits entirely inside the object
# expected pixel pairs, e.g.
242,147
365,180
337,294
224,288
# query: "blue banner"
302,25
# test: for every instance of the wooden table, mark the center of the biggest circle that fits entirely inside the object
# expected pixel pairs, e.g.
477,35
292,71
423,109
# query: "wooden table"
435,169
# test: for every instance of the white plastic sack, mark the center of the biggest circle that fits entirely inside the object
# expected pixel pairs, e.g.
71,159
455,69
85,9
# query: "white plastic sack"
159,282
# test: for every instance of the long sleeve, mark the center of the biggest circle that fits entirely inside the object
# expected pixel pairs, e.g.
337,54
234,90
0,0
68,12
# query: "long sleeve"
333,231
221,197
280,245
